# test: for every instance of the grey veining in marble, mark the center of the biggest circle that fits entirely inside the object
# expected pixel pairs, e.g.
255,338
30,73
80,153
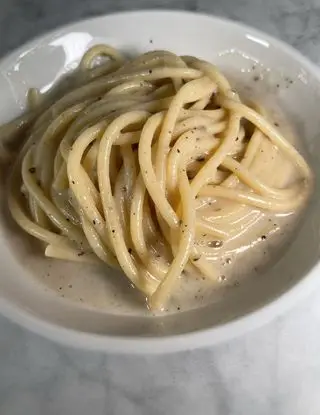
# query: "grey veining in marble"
274,370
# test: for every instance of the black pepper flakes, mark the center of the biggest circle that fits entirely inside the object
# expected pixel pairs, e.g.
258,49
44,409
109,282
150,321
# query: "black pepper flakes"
150,71
73,182
94,222
263,237
215,244
113,230
80,253
200,158
130,251
32,170
196,259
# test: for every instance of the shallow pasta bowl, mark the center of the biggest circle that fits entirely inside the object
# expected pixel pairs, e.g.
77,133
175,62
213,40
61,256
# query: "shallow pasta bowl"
286,79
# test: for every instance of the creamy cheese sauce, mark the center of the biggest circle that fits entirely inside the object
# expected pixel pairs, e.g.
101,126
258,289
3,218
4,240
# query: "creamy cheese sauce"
244,257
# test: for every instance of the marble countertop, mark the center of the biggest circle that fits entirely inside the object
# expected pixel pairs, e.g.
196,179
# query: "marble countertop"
274,370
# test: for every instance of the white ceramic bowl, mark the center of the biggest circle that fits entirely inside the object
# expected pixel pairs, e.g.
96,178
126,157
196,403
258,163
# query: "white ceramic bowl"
236,49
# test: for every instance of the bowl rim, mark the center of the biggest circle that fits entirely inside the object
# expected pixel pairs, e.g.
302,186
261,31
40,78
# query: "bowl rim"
185,341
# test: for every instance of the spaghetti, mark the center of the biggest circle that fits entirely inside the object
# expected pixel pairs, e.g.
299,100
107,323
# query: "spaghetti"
150,165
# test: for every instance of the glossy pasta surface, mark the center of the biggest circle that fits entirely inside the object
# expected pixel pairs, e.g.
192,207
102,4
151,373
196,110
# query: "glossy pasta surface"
151,165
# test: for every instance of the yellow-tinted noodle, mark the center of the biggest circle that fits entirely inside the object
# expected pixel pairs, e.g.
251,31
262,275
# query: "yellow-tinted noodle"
123,165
